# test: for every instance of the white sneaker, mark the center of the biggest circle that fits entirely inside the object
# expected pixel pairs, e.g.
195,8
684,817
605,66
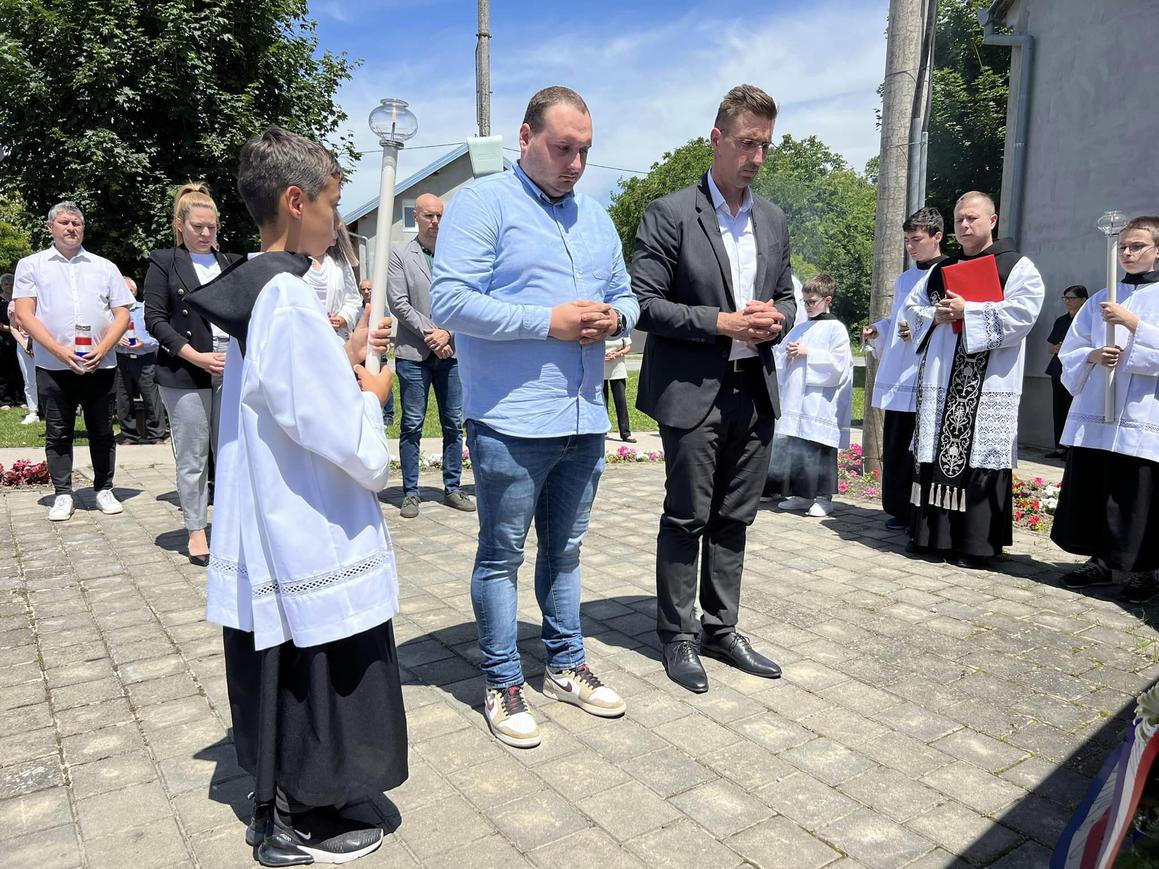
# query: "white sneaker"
61,508
508,717
821,507
32,418
107,503
581,687
795,503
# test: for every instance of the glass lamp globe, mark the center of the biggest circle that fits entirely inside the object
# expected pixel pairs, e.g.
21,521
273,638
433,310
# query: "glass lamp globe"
393,122
1112,223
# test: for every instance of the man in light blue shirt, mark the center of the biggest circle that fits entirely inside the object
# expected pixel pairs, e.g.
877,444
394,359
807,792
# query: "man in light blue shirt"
136,364
531,279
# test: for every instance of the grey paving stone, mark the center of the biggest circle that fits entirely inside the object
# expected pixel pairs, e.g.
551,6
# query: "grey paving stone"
891,793
102,743
459,749
980,750
809,802
973,787
58,848
442,826
581,775
596,847
156,844
780,843
493,782
85,693
875,840
668,771
721,807
621,739
772,732
536,820
827,760
83,719
28,745
747,764
111,774
483,854
116,811
913,720
33,814
1029,855
30,776
682,845
628,810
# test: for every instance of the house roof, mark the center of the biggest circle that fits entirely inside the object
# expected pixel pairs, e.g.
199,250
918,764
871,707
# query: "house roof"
428,170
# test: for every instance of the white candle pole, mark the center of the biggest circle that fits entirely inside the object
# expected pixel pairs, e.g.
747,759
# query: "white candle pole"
393,123
1111,224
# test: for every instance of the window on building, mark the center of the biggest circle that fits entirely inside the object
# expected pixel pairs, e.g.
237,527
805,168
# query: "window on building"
408,216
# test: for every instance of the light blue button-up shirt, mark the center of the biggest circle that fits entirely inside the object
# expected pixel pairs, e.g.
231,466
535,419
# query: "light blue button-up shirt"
507,254
146,343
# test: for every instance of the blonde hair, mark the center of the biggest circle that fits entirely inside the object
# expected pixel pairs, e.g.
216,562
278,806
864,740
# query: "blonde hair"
1146,223
342,251
191,195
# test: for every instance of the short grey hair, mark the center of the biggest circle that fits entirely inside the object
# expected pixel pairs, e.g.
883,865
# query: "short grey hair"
65,207
7,280
277,159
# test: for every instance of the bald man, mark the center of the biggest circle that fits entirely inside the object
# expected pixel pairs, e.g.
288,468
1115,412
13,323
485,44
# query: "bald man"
424,357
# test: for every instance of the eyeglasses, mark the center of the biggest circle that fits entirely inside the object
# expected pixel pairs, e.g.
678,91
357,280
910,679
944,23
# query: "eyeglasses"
752,144
810,303
1067,298
1134,247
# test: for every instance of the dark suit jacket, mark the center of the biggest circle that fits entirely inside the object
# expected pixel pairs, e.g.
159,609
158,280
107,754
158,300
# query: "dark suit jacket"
170,278
1057,334
681,275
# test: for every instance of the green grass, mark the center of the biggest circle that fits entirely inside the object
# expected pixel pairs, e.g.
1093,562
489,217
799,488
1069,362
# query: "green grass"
13,434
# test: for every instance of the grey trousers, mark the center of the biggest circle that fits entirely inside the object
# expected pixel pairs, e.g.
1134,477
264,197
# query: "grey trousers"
193,415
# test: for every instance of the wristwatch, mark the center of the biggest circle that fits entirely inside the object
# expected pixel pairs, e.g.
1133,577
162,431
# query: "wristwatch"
620,324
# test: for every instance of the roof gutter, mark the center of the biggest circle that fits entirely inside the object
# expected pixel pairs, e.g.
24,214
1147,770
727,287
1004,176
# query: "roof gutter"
1024,42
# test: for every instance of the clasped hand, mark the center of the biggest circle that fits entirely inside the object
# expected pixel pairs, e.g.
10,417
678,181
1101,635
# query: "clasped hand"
1115,313
951,307
583,320
757,323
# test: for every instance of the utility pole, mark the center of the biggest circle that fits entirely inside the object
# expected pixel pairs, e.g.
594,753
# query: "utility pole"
483,69
902,63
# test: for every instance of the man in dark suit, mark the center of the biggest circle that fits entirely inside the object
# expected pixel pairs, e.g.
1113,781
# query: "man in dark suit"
711,270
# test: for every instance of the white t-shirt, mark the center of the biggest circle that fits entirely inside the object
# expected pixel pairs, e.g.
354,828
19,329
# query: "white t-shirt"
207,268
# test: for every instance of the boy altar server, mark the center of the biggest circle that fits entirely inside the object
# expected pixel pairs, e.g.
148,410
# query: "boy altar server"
815,379
301,572
895,386
1109,504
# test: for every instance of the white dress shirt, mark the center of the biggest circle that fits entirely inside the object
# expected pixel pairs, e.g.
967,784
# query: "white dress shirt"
84,289
740,243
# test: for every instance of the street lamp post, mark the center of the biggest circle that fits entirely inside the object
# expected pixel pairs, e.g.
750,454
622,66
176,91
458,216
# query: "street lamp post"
1111,224
394,124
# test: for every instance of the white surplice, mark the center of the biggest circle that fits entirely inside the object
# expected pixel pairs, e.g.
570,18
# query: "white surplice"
895,385
817,391
1135,428
300,548
1001,328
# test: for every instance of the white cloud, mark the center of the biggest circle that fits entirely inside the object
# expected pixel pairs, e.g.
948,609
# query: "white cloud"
651,85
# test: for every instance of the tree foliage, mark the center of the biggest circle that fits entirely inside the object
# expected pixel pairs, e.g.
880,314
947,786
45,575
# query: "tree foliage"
968,111
15,238
112,103
829,206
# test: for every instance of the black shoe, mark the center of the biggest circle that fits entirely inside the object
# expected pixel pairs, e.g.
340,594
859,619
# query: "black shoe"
259,825
316,836
1086,575
1055,454
735,649
199,560
970,562
683,666
895,524
1141,588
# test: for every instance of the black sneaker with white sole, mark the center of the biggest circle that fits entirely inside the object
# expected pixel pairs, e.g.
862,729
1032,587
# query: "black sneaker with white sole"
1086,575
1140,588
316,836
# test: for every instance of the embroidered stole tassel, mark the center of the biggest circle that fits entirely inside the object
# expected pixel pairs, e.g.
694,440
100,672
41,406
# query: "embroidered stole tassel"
915,494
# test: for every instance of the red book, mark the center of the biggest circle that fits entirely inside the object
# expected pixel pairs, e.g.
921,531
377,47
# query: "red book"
975,280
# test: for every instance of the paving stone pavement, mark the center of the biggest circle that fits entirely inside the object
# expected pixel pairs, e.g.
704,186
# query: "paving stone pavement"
928,716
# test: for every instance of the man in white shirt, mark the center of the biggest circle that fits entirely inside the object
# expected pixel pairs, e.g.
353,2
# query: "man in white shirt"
75,307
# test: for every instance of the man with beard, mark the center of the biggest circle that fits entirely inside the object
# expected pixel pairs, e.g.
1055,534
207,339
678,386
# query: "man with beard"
969,388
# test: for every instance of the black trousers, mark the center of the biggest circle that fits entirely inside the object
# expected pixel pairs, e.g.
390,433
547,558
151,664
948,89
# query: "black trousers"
1060,404
897,463
714,476
11,380
135,378
620,397
60,394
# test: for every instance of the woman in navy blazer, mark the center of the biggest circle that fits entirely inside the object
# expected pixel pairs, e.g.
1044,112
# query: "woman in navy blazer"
192,358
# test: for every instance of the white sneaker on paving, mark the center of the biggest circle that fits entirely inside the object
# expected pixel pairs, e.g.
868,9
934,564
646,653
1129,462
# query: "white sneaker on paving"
61,508
31,419
107,502
510,720
820,508
795,503
583,688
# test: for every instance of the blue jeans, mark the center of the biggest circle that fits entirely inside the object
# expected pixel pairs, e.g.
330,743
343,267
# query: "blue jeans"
550,480
414,383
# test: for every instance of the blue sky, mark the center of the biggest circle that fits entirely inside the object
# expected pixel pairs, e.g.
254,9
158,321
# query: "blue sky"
652,73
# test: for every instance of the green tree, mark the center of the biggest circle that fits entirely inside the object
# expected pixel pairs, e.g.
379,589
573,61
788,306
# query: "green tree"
968,111
112,103
15,239
830,209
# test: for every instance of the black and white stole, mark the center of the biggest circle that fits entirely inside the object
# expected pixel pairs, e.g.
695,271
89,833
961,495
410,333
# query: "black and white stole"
963,394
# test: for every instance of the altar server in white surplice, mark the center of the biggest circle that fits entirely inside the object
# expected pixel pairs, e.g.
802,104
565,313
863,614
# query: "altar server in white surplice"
815,380
302,573
969,388
895,388
1109,504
